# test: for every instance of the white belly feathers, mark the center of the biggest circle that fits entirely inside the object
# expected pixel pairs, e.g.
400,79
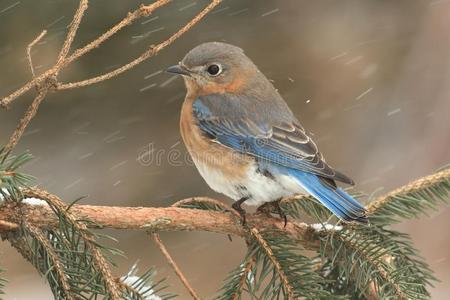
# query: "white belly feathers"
257,186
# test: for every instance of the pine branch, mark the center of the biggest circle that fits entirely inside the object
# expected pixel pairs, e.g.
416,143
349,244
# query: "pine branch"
289,290
242,277
142,287
156,219
359,258
283,270
356,261
11,180
47,261
99,262
412,200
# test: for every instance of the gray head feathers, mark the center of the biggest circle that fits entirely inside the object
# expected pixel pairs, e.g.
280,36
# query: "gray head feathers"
214,52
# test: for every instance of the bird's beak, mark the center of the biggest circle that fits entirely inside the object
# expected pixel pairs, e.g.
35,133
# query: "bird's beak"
179,70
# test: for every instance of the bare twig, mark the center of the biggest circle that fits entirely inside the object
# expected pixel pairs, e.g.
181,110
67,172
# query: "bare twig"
72,32
174,266
152,51
30,46
64,61
29,114
163,248
34,82
143,11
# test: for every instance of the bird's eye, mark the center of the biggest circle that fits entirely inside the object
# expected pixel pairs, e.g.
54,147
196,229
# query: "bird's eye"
214,69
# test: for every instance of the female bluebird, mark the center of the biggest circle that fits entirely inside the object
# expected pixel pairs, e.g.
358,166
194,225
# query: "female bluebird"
244,139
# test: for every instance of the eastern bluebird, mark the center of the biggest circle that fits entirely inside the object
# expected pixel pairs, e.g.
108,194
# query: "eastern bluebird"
245,141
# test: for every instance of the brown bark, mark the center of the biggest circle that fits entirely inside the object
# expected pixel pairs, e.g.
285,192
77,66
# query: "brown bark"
154,219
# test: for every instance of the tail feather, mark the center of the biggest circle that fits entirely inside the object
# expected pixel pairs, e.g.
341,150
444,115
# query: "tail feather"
335,199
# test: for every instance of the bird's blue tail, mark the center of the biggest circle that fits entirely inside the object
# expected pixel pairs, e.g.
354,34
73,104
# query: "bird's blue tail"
335,199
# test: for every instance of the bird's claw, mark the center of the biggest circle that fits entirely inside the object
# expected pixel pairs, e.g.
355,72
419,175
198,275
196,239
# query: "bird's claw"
266,209
237,207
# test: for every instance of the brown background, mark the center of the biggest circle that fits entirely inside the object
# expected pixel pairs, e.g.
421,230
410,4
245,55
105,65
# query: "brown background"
371,80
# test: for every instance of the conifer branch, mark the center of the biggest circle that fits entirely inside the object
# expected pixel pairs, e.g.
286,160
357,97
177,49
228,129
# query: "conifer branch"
156,219
352,260
57,264
98,259
246,271
263,243
372,245
362,250
240,278
420,185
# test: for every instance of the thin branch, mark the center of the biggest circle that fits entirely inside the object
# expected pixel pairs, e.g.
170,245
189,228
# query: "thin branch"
30,46
273,259
416,185
166,253
129,288
142,11
58,265
8,226
34,82
152,51
29,114
174,266
72,31
246,270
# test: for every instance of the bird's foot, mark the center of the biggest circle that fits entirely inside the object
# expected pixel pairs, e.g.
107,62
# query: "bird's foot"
237,207
280,211
267,207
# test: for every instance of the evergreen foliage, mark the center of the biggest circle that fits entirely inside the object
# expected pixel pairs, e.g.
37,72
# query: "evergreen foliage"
69,256
349,261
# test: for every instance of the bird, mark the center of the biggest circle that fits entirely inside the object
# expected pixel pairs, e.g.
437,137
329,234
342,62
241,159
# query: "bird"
246,142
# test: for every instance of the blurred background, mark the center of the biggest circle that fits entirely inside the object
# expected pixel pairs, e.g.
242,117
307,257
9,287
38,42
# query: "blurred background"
370,79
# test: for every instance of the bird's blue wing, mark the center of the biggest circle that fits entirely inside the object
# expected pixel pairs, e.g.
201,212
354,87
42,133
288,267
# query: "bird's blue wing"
274,136
270,133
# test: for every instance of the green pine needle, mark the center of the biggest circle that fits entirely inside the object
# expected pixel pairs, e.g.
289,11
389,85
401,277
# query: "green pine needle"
412,201
11,181
356,259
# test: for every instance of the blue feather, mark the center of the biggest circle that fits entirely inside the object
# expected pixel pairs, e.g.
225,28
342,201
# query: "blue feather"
335,199
290,152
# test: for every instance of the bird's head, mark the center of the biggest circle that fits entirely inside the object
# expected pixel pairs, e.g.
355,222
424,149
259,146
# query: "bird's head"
215,67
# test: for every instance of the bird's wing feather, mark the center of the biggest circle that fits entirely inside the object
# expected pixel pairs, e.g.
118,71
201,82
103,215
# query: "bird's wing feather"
274,136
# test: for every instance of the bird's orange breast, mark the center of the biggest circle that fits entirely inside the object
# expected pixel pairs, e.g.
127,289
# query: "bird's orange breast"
207,152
